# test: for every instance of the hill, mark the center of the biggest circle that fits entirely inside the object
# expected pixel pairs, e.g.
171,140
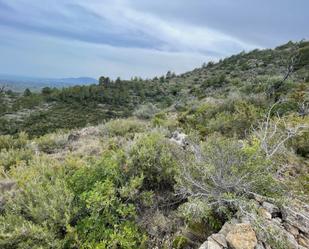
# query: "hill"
257,72
212,158
20,83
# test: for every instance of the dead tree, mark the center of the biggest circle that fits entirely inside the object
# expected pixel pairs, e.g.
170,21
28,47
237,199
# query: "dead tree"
292,63
273,134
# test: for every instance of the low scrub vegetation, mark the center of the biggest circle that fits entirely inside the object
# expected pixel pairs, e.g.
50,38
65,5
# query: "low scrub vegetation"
175,158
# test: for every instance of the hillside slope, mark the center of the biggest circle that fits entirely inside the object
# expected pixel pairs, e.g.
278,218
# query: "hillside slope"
259,71
213,158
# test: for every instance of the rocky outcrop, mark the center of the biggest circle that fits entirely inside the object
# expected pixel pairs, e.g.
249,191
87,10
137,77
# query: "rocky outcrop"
180,139
241,236
288,226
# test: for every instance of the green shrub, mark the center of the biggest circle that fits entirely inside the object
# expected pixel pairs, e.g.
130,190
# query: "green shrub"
146,111
14,157
51,143
39,213
123,127
19,233
104,199
151,155
9,142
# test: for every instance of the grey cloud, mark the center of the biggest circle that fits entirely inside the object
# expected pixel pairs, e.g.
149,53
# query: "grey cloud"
265,22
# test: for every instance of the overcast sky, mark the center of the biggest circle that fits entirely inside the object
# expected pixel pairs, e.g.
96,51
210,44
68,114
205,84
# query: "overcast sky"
71,38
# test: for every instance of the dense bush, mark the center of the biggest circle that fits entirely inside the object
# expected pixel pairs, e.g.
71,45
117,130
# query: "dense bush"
14,157
9,142
52,142
222,173
146,111
152,156
123,127
39,213
104,199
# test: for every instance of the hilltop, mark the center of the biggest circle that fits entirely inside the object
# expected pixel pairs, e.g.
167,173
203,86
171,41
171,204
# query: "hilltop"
212,158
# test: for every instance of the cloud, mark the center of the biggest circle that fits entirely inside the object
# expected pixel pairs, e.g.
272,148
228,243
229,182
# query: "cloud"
136,37
54,57
263,22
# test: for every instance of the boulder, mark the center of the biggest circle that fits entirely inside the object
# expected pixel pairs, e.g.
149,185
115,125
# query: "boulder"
291,229
220,239
264,213
180,139
241,236
260,246
210,244
225,229
271,208
296,218
303,241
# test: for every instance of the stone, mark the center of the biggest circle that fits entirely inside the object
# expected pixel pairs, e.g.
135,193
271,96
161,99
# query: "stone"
180,139
264,213
73,137
277,221
291,241
225,229
220,239
259,246
303,241
296,218
204,245
213,245
271,208
291,229
210,244
241,236
245,219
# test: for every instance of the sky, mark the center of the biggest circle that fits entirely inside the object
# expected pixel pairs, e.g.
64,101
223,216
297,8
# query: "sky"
146,38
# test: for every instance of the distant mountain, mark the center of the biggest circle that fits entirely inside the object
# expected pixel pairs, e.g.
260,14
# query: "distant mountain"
20,83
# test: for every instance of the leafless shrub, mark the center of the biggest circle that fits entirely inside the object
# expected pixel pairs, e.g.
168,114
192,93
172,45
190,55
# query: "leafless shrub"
220,172
273,134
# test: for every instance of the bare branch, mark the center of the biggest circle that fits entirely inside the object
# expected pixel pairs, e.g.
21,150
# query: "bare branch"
274,134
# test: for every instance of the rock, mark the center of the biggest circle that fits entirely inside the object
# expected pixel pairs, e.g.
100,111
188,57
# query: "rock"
291,229
73,137
244,219
259,246
234,221
296,218
277,221
291,241
264,213
267,247
303,241
204,245
225,229
210,244
179,138
272,209
220,239
241,236
213,245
